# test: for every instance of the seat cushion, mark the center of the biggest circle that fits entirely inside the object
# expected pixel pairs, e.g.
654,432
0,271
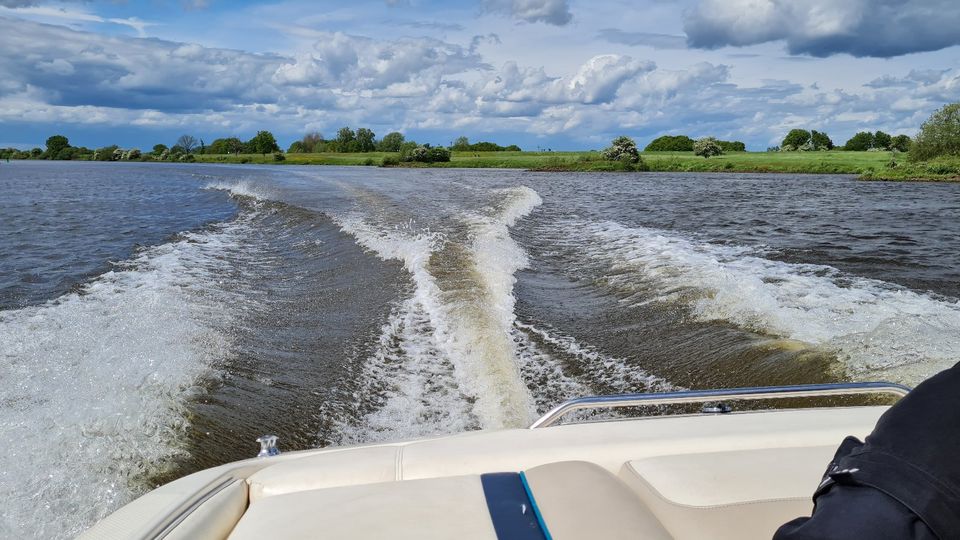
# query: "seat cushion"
329,469
728,495
580,500
215,517
437,509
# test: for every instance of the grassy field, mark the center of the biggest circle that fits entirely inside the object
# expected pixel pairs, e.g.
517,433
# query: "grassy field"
869,165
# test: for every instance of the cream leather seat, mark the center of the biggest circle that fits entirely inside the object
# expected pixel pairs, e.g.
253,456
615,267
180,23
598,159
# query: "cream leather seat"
580,500
739,495
576,500
437,509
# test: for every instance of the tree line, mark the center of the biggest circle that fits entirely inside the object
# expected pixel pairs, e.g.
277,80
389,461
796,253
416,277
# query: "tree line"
683,143
184,149
364,140
801,140
938,136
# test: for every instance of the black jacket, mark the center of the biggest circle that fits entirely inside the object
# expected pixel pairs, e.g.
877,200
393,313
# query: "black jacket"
903,482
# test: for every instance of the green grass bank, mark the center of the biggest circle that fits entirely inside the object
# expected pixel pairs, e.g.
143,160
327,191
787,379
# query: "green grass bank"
868,165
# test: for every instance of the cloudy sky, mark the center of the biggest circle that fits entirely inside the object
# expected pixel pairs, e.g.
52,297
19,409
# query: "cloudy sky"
561,74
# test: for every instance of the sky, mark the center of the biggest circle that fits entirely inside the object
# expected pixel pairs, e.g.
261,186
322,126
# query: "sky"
558,74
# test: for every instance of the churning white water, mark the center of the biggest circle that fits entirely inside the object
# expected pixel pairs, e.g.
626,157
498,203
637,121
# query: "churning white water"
877,329
107,369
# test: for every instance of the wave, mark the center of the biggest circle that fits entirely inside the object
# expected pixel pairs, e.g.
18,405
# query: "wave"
876,329
243,188
463,289
97,381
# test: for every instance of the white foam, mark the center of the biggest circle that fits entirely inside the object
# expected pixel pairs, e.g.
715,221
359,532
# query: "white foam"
610,373
876,328
411,382
94,384
471,329
242,188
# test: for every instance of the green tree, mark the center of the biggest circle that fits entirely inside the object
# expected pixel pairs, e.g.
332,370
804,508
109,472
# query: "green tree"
391,142
707,146
860,142
901,143
670,143
939,135
882,140
821,141
295,148
159,149
461,144
346,140
366,140
228,145
55,144
264,143
796,138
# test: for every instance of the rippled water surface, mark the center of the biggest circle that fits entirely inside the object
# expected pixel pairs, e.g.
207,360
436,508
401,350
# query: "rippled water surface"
156,319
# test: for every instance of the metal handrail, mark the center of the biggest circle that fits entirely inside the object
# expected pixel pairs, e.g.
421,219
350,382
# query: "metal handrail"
702,396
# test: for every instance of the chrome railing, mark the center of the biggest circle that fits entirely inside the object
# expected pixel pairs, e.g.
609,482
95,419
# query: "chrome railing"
705,396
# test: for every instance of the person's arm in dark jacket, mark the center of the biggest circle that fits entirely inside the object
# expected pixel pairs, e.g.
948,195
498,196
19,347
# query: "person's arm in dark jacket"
903,482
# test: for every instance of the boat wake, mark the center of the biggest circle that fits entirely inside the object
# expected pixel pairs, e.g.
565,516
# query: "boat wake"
876,329
457,324
108,370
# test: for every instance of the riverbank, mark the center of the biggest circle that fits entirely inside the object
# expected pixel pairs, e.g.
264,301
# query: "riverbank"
880,166
868,165
759,162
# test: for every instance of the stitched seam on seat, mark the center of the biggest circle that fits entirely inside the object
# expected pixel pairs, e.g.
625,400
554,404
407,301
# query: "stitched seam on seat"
670,502
398,465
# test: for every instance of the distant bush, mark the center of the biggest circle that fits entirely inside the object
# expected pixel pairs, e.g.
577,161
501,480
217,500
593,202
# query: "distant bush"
439,154
733,146
462,144
132,154
939,135
622,149
188,158
707,146
670,143
390,161
426,154
278,156
368,162
901,143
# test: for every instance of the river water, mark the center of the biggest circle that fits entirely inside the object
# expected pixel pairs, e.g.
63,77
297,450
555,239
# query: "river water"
155,319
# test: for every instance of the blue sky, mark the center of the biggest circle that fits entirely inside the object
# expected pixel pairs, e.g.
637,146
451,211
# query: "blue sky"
561,74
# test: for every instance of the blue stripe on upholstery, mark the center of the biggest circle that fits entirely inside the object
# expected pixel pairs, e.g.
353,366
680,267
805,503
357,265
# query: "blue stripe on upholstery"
510,508
533,503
